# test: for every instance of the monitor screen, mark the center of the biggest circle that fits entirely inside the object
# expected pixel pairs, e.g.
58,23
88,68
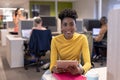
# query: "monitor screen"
49,21
95,32
25,28
10,26
89,24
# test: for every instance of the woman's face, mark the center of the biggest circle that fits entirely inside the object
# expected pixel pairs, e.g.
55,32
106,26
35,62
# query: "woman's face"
68,27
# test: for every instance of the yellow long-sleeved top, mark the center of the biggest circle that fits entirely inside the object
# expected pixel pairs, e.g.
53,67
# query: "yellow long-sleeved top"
70,49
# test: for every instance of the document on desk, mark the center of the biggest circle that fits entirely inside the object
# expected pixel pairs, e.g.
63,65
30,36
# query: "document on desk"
26,33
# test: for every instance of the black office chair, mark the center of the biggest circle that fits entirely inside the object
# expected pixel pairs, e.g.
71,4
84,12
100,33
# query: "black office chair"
90,43
101,49
36,47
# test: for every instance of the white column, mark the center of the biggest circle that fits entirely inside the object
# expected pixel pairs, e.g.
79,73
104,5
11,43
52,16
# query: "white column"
100,9
56,8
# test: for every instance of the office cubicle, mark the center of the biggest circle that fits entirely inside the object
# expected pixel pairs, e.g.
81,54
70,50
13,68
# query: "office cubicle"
10,26
89,24
79,26
50,23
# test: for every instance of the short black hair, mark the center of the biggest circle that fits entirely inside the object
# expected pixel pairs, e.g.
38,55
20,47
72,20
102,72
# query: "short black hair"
68,13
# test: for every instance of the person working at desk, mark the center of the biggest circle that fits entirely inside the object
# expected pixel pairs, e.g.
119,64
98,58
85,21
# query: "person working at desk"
16,18
39,42
69,45
101,39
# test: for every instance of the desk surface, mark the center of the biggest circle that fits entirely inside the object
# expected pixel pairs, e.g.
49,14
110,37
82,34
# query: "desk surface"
102,72
14,37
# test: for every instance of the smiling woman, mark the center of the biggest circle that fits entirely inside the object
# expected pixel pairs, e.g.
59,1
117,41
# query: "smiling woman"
69,45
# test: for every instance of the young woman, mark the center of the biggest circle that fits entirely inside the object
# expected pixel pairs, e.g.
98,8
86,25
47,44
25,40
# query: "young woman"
69,46
101,39
16,18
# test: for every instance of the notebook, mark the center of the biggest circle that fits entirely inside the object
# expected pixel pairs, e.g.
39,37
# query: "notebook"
68,76
26,33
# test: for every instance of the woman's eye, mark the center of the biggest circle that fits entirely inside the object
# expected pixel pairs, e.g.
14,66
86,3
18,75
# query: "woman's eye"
71,24
65,24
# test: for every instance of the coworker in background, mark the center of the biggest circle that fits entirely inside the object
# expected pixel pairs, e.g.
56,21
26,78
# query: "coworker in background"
16,17
101,39
69,45
103,31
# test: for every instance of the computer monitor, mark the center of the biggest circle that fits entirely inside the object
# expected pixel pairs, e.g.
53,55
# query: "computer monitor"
25,28
50,23
95,32
89,24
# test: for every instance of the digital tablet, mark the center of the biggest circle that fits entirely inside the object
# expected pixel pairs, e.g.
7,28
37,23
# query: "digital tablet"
66,63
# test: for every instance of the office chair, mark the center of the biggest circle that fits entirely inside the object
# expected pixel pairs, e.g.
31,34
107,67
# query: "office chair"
90,43
37,46
101,49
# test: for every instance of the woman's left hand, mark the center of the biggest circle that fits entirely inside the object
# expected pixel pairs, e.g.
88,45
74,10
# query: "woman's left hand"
74,70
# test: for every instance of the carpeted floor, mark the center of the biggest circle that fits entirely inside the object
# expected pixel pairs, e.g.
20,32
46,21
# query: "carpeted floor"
6,73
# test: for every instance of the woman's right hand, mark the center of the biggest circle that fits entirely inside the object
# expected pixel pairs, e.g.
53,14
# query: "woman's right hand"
55,69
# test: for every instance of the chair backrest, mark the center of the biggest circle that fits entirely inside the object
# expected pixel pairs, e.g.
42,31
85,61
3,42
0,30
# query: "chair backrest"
90,40
40,40
90,43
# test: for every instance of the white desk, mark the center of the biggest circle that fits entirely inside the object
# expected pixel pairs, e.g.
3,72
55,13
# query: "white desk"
15,54
102,72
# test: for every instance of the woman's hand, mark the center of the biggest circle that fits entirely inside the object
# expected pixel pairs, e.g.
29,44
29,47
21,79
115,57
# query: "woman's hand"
74,70
58,70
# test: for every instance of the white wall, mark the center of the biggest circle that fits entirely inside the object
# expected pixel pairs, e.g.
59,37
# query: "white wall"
105,7
113,53
112,3
85,8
